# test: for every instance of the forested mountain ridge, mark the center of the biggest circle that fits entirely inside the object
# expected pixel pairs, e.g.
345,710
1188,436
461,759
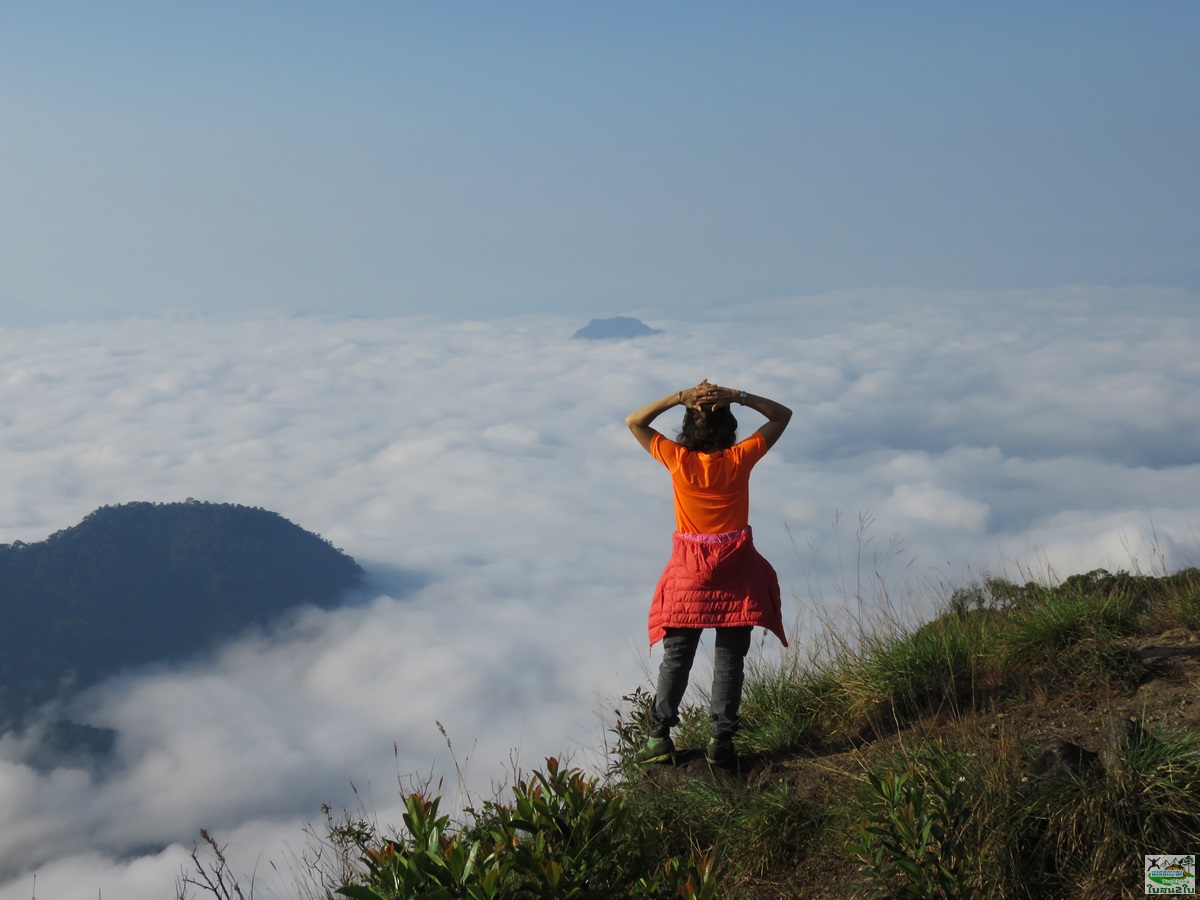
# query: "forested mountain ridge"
147,582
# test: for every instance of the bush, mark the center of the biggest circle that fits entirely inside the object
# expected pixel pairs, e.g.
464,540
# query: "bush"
563,835
914,840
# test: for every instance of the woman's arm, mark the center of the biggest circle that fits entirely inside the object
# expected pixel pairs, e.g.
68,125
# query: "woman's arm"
777,415
639,420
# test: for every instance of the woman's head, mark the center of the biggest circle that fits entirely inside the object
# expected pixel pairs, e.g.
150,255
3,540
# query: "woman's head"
708,429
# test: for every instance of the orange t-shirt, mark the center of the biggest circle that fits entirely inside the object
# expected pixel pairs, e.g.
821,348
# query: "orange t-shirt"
712,490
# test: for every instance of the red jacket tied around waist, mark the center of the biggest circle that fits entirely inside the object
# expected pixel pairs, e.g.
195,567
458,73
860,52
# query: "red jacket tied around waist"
716,581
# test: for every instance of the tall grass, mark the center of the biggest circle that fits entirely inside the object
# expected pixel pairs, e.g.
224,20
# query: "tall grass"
1082,834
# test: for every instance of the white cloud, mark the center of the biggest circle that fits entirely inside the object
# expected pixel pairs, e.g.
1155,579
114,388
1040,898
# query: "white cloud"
1049,430
935,506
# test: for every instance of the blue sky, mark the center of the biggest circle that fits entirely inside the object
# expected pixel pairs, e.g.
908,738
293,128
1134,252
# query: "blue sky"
480,160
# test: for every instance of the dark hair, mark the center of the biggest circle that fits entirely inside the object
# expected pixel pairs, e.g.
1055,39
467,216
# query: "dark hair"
708,430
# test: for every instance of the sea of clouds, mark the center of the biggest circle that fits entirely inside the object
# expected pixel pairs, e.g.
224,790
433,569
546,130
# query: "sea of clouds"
482,473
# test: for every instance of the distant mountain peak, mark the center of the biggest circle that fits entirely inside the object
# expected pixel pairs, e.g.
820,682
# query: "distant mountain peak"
616,328
151,582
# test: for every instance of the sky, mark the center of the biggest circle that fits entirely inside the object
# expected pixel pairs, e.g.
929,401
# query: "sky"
328,260
484,160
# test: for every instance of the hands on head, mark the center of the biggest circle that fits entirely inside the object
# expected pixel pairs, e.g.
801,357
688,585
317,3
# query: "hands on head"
708,396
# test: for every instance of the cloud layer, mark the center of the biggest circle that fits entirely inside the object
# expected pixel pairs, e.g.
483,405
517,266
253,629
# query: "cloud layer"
1026,433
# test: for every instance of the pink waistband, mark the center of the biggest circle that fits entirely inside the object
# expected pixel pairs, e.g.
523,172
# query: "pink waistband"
724,537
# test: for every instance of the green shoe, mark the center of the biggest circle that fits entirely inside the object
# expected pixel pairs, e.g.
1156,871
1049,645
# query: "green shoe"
657,750
719,751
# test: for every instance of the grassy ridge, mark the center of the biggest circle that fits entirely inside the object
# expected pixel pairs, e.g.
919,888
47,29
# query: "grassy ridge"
835,753
904,764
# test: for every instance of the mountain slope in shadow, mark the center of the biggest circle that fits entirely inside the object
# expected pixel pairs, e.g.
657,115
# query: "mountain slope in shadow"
149,582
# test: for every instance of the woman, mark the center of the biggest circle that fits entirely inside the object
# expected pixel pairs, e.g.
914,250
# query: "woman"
715,578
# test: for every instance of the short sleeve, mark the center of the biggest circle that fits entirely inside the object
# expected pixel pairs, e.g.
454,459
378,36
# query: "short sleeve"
666,451
752,449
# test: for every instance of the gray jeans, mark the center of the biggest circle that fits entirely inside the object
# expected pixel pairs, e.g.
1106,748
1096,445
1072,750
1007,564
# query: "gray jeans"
679,649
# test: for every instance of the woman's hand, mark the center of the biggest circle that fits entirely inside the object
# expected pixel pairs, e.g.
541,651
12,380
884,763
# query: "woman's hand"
695,397
712,396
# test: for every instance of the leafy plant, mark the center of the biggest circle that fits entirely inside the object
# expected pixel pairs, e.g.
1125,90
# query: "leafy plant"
563,835
434,863
914,840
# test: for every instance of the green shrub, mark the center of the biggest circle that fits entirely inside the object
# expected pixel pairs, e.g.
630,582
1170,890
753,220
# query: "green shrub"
433,863
563,835
914,841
